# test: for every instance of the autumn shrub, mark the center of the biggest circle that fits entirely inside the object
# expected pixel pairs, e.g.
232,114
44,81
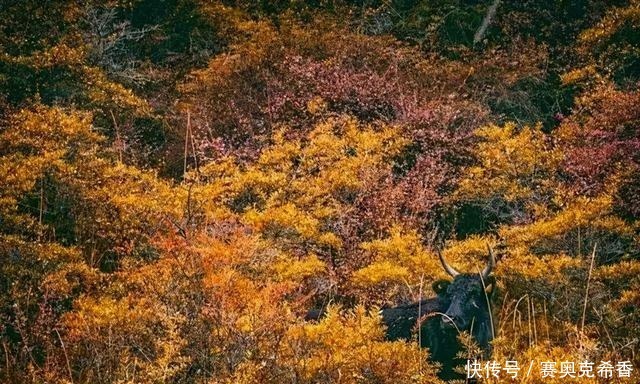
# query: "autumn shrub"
230,192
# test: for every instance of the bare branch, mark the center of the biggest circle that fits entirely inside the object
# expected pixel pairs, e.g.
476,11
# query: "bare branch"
488,17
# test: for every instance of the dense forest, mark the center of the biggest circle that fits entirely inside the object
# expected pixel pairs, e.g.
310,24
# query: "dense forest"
182,181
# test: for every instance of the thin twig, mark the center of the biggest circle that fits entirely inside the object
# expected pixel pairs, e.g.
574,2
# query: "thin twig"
533,316
186,150
41,208
529,321
66,357
6,357
586,291
486,296
193,145
419,316
118,138
450,320
546,321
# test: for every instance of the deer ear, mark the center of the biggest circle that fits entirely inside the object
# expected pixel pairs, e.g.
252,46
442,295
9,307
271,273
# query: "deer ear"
440,286
490,285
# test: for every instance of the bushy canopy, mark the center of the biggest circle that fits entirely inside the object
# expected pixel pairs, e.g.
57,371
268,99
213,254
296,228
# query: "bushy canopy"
182,181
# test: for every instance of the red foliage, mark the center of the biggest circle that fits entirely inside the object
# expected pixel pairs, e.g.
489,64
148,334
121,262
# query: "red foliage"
602,137
272,81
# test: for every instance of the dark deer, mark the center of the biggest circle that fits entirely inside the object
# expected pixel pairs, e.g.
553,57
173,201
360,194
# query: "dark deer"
462,304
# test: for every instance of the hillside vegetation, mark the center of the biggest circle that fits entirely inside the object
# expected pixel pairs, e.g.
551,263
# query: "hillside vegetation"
181,181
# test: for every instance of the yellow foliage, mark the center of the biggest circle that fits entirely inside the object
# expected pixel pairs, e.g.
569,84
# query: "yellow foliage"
399,261
380,272
298,186
57,55
298,270
349,348
469,255
578,75
586,218
611,24
104,92
515,165
112,273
